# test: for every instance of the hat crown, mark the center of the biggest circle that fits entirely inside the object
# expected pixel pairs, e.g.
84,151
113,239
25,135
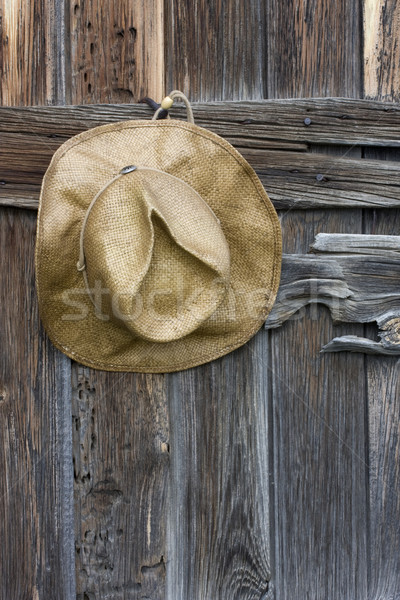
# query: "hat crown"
156,258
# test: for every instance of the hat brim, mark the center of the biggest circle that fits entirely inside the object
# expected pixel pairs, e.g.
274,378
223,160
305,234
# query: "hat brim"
222,177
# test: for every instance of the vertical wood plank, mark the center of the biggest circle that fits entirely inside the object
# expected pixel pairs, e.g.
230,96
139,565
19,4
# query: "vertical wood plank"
319,433
383,385
320,502
36,555
121,462
314,48
215,50
120,433
381,49
382,82
36,522
117,50
219,500
384,444
32,54
218,534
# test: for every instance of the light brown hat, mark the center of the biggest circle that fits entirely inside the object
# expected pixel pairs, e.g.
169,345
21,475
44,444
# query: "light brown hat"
157,246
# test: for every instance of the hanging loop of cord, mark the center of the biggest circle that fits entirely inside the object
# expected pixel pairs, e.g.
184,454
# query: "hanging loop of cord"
168,102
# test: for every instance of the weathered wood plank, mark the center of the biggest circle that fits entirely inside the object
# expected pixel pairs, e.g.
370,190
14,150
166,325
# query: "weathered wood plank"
216,51
313,47
320,522
355,343
319,459
120,438
32,56
318,400
117,50
219,533
36,525
121,464
383,380
383,377
356,277
219,503
307,180
350,243
332,120
37,555
292,179
381,49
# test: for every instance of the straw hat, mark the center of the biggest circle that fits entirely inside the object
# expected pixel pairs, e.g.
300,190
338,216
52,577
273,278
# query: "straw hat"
157,246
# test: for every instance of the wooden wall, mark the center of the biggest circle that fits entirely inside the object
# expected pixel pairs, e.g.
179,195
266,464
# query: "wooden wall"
270,473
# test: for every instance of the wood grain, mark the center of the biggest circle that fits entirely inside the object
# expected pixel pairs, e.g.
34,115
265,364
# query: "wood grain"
215,50
333,121
120,433
117,50
292,179
36,555
348,278
219,505
381,49
313,48
219,533
277,394
32,55
383,377
319,459
354,343
384,474
36,506
318,401
121,465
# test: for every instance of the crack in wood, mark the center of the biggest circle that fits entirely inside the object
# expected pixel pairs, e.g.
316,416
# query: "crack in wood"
356,277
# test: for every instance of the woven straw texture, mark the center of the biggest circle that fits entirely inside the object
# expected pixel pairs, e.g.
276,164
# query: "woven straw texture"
183,266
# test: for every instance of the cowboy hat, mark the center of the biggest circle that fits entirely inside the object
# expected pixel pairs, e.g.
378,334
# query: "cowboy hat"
157,249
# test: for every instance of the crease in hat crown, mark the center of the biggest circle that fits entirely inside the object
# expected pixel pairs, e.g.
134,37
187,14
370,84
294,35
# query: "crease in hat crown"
162,231
190,223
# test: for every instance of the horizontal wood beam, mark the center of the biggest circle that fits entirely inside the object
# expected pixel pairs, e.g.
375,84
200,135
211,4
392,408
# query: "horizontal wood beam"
274,136
341,121
355,276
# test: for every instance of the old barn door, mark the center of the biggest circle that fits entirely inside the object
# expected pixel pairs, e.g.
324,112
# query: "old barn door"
273,472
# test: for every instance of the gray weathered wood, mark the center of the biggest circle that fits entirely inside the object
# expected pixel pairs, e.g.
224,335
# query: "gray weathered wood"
219,532
215,51
342,121
320,440
121,465
293,179
219,526
348,243
120,433
319,458
308,180
318,400
354,343
36,520
383,378
356,277
313,48
383,381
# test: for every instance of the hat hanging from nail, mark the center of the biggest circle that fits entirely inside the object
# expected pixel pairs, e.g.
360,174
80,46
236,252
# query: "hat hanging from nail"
157,249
